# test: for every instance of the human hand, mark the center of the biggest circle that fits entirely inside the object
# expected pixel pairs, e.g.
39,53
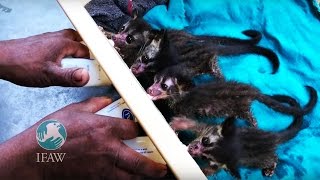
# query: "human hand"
94,147
36,61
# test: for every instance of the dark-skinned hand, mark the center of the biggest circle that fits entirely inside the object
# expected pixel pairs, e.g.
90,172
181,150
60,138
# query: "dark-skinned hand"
36,61
94,148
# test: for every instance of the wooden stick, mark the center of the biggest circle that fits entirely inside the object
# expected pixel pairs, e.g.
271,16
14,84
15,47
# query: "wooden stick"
175,154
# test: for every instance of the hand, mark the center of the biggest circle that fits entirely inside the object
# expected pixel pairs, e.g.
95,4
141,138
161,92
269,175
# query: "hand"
94,147
36,61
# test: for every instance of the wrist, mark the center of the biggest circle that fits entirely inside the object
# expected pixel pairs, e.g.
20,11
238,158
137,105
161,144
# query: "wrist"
4,58
19,155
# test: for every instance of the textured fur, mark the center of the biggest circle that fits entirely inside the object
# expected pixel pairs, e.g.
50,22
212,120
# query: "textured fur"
178,78
141,33
228,147
228,99
132,38
158,54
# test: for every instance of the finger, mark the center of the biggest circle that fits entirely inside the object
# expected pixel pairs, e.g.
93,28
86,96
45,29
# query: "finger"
121,174
70,34
75,49
124,129
68,77
91,105
121,129
131,161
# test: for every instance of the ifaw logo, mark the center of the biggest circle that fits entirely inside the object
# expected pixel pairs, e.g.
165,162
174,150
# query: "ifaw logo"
126,114
51,135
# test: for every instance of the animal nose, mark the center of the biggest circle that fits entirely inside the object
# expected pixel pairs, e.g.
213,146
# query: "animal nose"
135,66
149,91
194,147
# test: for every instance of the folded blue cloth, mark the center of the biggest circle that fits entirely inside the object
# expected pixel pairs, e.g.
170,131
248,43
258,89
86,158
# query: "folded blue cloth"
292,30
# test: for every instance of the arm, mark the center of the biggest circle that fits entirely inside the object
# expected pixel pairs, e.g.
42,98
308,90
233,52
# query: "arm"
36,61
17,155
93,148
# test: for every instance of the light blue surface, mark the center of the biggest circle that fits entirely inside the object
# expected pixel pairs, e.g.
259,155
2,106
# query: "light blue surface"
292,31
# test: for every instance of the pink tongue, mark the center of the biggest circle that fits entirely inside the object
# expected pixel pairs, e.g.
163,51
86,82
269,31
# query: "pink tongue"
138,68
153,92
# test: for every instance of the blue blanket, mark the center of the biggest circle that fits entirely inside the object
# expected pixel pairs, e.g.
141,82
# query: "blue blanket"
292,30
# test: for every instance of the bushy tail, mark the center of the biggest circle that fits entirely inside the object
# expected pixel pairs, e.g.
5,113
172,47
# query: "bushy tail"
277,106
297,122
236,50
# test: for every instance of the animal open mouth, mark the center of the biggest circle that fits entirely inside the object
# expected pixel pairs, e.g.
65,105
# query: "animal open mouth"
138,68
119,40
161,96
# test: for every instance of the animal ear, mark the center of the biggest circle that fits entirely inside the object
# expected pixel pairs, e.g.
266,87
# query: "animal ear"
228,126
153,33
184,83
156,35
135,14
164,33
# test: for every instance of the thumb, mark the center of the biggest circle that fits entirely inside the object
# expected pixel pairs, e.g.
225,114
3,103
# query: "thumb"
69,77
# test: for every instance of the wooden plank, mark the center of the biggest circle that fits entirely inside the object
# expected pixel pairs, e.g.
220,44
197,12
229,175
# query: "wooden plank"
84,2
175,154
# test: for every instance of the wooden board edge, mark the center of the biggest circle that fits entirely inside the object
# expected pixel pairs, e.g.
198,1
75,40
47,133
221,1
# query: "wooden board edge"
178,159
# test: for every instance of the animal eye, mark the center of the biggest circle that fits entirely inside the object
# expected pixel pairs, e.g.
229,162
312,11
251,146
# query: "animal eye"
122,28
164,86
129,39
205,141
144,58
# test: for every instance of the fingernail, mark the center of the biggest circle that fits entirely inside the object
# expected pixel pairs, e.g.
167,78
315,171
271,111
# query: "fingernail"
78,75
164,170
107,99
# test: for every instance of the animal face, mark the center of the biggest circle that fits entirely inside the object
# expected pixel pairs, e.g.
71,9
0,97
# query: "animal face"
147,57
163,88
205,142
134,33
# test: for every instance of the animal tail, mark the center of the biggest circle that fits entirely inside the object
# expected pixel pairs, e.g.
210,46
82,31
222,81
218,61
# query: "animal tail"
291,131
255,36
234,50
278,106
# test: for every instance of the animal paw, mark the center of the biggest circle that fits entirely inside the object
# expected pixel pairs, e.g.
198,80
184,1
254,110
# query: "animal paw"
181,123
269,171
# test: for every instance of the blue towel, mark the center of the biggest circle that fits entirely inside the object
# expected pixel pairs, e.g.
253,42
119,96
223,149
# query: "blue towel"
292,30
